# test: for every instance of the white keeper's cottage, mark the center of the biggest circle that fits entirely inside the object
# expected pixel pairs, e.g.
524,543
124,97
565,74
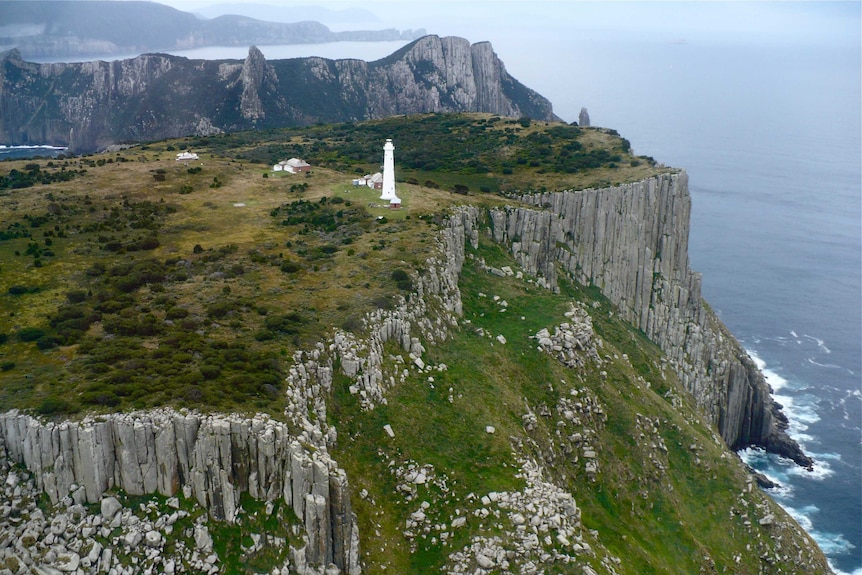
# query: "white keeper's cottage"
293,165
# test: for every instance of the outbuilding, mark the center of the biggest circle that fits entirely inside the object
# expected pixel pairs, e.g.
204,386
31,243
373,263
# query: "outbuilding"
293,165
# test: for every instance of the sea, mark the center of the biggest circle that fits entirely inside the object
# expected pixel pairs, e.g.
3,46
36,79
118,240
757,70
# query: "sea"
39,151
768,126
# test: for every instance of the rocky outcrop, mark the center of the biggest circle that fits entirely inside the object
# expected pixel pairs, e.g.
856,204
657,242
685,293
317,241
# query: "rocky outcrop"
89,106
584,118
211,458
632,242
254,72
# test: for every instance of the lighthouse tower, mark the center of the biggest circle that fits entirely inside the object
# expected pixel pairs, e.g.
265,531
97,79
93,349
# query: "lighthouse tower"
388,171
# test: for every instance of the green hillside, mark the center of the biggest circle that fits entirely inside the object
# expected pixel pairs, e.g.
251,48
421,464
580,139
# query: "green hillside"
144,282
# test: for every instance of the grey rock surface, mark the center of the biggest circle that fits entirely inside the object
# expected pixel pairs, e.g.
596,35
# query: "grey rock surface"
217,456
584,118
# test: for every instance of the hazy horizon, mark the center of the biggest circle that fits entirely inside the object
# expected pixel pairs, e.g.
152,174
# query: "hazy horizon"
523,33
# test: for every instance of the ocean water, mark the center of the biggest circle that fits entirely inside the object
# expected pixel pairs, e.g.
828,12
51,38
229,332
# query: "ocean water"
368,51
770,136
760,103
39,151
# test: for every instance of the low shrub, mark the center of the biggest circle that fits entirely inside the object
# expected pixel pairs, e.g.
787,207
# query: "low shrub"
52,405
29,334
289,267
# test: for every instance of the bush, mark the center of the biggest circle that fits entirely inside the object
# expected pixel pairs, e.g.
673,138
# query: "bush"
352,324
264,335
289,267
28,334
21,290
48,342
100,397
221,309
53,405
285,323
76,296
177,313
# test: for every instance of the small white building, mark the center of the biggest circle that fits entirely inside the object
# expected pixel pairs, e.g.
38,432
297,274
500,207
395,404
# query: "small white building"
186,156
394,202
293,166
375,181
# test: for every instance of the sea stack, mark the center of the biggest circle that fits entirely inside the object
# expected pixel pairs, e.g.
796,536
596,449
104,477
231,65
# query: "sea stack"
388,170
584,118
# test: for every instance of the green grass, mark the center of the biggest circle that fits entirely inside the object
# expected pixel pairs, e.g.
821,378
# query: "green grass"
668,519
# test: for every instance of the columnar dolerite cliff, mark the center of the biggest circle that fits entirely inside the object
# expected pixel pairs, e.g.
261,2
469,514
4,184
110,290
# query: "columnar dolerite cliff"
213,459
632,242
88,106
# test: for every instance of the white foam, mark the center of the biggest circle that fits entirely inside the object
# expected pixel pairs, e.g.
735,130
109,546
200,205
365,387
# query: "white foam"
821,468
839,572
772,378
42,147
826,365
820,343
830,543
773,467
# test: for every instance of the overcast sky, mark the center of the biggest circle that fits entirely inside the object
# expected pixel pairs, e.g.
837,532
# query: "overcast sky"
483,19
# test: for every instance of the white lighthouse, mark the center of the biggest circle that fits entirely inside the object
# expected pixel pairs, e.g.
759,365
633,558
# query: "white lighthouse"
388,171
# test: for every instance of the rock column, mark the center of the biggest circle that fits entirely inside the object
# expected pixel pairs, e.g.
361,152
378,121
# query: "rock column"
217,457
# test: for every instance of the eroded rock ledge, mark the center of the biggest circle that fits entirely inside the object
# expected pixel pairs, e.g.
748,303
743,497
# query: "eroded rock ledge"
213,458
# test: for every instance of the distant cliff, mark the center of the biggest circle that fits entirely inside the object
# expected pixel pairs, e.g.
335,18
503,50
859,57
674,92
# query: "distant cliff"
64,29
89,106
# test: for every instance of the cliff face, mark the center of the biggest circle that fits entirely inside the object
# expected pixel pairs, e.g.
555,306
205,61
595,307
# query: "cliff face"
213,459
632,242
91,105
